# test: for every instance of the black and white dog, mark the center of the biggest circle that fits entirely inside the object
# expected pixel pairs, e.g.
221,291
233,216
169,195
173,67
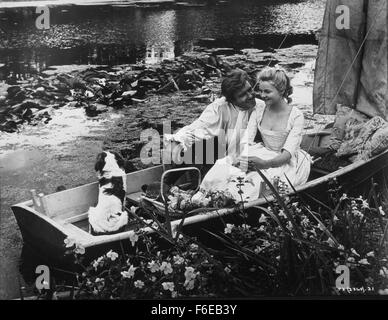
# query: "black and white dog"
109,215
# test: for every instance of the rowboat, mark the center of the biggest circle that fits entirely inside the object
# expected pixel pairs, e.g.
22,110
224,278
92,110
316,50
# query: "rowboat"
46,221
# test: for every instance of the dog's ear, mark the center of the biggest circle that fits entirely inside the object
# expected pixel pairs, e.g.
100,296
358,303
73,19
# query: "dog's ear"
100,162
119,159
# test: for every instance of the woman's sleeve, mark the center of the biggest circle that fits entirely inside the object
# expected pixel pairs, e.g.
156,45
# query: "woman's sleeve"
294,138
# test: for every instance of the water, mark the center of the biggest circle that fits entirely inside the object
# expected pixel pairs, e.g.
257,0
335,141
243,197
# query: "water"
111,35
115,35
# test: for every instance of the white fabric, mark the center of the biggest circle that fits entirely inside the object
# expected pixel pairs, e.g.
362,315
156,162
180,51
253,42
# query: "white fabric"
108,215
222,176
219,117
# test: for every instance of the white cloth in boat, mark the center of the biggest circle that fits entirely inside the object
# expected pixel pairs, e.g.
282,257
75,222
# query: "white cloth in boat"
221,119
108,215
222,176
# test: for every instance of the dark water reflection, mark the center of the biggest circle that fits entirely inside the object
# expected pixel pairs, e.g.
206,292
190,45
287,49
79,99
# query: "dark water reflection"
114,35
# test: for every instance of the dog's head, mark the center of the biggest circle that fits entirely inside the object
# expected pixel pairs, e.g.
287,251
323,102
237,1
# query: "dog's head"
109,168
102,162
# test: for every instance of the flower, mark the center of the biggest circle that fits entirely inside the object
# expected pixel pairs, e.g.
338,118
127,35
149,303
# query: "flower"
245,226
351,260
189,273
229,228
383,292
354,252
363,261
381,211
193,246
341,247
153,266
282,214
370,254
330,242
153,279
130,273
383,272
168,286
79,249
344,197
178,259
139,284
263,218
97,262
262,229
166,267
133,237
69,242
112,255
174,294
189,285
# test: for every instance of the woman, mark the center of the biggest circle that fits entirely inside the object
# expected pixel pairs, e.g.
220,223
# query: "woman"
278,156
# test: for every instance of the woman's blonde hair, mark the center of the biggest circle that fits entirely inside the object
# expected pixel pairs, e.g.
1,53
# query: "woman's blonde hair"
279,79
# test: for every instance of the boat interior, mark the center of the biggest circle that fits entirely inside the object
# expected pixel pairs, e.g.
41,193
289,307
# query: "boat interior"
70,207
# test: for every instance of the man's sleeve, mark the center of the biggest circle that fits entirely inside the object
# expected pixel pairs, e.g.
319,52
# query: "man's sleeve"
205,127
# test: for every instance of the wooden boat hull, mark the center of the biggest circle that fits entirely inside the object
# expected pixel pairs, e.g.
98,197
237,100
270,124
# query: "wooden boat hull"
48,233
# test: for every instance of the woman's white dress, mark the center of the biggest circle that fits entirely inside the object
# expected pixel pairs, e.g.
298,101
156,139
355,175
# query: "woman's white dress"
223,176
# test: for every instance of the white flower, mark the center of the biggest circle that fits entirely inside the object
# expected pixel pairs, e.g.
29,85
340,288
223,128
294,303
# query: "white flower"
189,285
263,218
166,267
168,286
289,225
354,252
174,294
153,266
79,249
282,214
112,255
381,211
193,246
363,261
335,219
130,273
189,273
178,259
370,254
383,292
133,237
330,242
305,222
97,262
383,272
153,279
344,197
262,229
245,226
341,247
351,260
229,228
69,242
139,284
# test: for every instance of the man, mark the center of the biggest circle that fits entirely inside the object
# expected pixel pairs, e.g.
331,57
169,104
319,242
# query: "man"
225,118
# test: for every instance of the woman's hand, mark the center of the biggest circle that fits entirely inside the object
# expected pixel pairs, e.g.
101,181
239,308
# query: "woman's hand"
256,163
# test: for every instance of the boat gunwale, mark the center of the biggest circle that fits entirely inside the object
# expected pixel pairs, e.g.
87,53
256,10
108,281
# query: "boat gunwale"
103,239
